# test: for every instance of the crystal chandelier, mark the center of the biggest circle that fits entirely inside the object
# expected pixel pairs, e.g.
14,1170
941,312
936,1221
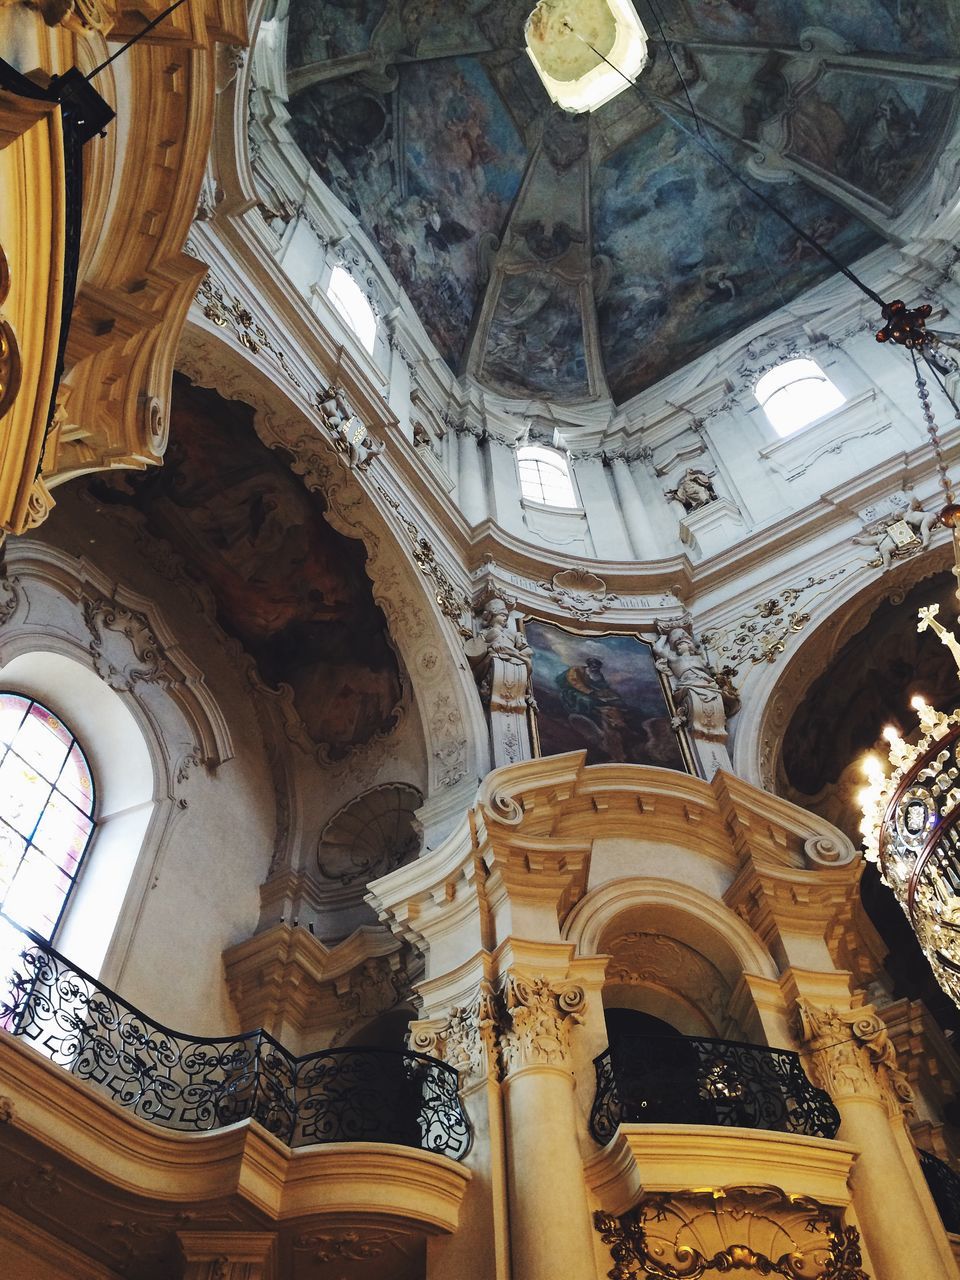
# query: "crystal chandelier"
911,815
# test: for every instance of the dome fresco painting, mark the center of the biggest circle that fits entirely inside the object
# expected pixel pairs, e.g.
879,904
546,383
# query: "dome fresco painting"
575,256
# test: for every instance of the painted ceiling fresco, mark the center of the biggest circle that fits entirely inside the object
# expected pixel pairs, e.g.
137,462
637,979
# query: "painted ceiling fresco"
290,588
429,123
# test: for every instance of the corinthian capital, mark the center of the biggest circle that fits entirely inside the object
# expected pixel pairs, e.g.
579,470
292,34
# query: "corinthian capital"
852,1055
538,1017
467,1040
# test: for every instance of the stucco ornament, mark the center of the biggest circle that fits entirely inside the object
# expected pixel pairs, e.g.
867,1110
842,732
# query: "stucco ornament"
349,434
694,489
537,1020
853,1056
904,531
762,1230
578,592
702,705
502,662
467,1040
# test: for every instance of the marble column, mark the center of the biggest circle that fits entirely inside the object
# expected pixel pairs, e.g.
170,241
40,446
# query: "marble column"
639,529
855,1062
550,1227
228,1255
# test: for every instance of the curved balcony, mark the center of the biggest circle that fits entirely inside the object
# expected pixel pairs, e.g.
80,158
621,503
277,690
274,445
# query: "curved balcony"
689,1080
944,1184
196,1085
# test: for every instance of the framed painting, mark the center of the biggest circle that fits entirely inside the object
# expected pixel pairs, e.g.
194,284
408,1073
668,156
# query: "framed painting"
602,694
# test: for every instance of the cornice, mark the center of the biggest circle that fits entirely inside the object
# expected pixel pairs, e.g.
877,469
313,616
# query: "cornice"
665,1157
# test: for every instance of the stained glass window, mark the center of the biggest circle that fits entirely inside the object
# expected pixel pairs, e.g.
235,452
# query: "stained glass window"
46,813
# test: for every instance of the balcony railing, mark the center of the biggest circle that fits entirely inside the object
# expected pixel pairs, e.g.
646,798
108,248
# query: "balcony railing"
688,1080
193,1085
944,1184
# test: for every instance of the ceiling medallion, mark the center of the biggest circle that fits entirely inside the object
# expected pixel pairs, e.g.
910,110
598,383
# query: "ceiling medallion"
585,51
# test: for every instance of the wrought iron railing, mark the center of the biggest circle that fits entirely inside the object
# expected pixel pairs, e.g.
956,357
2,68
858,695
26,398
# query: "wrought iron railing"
944,1184
191,1084
689,1080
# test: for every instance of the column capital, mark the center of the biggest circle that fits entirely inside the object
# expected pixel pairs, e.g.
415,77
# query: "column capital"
467,1039
538,1018
852,1056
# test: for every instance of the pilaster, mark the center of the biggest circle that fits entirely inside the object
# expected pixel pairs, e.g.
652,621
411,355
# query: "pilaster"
228,1255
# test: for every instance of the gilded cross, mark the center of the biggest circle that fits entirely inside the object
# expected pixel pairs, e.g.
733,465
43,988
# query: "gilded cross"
928,618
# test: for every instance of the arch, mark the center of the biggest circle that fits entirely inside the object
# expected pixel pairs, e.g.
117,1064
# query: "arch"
418,600
680,911
776,689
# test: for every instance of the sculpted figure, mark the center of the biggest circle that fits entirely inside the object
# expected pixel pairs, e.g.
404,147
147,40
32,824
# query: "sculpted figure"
349,433
694,490
882,534
500,640
700,700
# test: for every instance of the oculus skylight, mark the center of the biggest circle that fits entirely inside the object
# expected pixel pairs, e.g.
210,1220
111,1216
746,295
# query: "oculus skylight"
559,34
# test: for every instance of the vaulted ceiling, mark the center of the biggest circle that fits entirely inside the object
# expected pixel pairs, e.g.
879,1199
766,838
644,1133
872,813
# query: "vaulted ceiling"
569,257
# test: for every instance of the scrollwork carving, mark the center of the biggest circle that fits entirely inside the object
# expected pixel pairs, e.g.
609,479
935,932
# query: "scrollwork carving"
580,593
538,1017
685,1235
852,1055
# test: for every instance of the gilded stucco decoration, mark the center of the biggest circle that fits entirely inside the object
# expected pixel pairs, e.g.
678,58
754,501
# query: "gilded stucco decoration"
762,633
11,369
852,1055
468,1039
516,1023
688,1234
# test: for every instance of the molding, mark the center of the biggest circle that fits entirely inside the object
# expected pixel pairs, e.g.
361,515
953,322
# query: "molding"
87,1138
670,1157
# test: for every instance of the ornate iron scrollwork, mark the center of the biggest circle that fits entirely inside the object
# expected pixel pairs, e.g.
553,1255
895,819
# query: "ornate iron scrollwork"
692,1080
944,1184
194,1085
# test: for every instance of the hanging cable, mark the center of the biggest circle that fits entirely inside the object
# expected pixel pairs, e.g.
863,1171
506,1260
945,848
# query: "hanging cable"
133,39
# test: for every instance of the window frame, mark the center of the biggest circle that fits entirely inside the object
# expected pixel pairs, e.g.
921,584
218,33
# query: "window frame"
807,370
91,814
546,458
343,304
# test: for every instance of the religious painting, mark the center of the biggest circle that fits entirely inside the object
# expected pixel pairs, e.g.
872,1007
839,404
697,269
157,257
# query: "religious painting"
604,695
535,343
291,589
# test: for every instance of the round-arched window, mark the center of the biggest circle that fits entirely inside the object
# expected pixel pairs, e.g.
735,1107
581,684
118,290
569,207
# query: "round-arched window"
545,476
351,302
795,393
46,813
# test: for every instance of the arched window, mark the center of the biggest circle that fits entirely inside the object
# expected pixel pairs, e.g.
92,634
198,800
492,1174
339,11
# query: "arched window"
46,813
796,393
351,302
545,476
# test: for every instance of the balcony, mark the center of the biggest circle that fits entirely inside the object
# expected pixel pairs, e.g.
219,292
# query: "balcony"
666,1080
944,1184
192,1085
